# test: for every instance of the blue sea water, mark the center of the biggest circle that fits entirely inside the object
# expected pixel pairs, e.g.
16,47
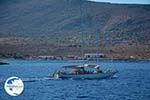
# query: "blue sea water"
132,81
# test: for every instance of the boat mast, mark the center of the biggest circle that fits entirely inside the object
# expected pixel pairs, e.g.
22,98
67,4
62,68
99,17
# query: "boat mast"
97,41
81,29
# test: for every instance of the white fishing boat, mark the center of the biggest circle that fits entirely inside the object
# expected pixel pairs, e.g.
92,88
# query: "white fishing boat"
85,71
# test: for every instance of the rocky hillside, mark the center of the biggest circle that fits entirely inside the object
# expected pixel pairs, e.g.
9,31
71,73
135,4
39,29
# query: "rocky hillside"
30,18
56,22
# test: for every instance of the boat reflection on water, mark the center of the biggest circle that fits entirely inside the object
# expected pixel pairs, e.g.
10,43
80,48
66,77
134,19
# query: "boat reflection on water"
85,71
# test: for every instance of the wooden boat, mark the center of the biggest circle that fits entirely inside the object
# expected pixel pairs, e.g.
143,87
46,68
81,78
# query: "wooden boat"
83,72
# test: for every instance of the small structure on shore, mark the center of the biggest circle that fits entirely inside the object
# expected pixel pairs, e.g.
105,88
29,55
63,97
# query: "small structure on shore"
93,56
46,57
51,57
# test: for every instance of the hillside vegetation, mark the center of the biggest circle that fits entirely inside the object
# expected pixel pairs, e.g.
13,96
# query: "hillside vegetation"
44,27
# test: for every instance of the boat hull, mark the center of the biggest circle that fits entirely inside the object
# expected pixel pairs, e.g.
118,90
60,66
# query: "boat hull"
3,63
86,76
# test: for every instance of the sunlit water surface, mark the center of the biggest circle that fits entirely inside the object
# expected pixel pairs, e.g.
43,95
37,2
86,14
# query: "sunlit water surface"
132,81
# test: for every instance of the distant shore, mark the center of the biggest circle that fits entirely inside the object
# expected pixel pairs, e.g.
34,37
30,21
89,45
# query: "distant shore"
70,59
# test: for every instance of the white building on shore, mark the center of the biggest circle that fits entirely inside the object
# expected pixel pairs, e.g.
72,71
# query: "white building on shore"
94,55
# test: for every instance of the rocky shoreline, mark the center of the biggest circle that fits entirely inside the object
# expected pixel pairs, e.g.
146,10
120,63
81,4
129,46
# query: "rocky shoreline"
75,58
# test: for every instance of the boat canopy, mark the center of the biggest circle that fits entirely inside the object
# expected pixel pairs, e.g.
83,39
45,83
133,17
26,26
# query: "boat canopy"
91,65
72,66
82,66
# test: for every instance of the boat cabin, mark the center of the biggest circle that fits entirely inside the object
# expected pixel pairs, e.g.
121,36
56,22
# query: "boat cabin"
82,69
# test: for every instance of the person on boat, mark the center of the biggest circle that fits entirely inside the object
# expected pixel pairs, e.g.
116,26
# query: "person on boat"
98,70
76,71
84,71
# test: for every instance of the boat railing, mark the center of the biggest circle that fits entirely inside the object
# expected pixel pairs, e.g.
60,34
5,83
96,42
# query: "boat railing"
80,72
